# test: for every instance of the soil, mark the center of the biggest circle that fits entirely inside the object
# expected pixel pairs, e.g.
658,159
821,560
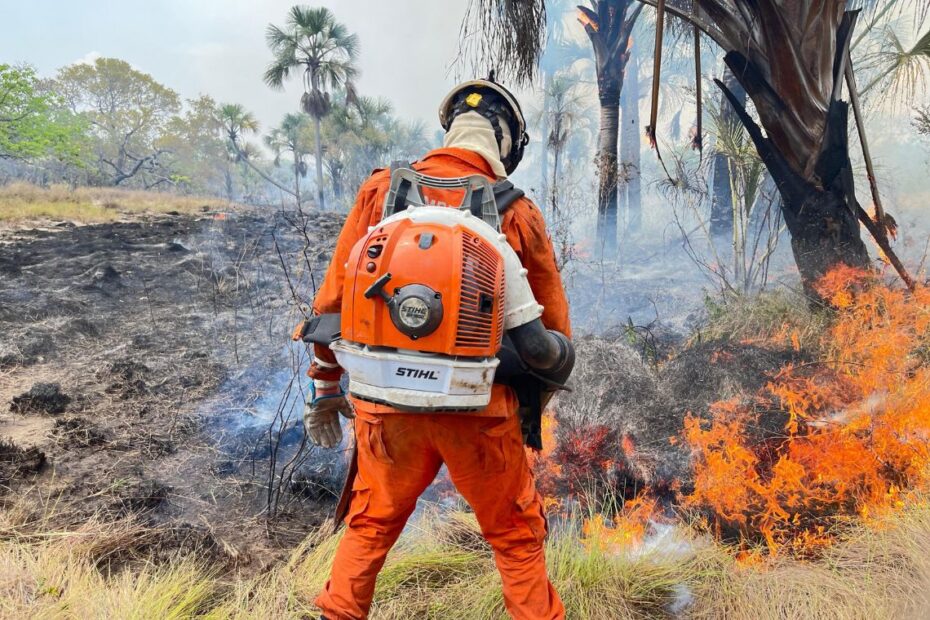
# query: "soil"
129,353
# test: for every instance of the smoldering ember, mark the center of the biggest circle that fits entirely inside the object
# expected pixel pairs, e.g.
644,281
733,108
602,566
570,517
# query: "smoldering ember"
637,325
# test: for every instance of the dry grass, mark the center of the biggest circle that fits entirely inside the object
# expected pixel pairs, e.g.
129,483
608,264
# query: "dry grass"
772,316
23,202
882,571
441,569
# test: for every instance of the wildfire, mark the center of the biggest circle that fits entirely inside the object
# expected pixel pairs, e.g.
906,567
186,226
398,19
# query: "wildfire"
822,444
580,468
855,427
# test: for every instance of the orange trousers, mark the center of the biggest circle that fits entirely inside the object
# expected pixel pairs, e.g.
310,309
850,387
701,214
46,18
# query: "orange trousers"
399,455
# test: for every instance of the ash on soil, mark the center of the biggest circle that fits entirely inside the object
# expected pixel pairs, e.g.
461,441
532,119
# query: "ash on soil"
41,398
128,330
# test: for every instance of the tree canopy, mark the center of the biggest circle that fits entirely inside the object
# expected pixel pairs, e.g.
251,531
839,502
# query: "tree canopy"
33,121
127,111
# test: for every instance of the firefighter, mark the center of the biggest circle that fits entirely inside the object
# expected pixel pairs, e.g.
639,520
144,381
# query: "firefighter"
399,454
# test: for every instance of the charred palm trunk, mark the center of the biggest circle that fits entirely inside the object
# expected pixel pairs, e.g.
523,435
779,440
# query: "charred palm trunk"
227,177
821,216
297,166
544,139
609,29
556,171
809,160
608,173
335,172
318,145
721,206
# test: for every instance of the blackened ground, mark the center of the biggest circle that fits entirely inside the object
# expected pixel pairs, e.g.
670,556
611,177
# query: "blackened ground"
113,339
142,363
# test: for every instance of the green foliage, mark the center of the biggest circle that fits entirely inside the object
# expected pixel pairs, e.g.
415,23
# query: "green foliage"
33,122
195,147
291,136
127,112
365,136
903,68
324,51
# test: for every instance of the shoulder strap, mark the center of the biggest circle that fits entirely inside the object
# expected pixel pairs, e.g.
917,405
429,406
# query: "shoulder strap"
400,163
400,203
505,194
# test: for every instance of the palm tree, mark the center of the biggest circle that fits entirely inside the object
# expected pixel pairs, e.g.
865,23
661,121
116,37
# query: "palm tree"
561,51
238,122
314,43
564,119
791,57
289,136
609,25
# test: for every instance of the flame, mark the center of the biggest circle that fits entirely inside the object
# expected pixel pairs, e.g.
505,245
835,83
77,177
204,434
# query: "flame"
628,527
855,434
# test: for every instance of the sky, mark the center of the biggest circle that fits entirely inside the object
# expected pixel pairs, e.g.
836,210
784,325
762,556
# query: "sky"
217,47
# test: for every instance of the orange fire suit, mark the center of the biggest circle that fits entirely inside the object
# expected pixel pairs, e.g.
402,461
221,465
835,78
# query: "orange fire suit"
399,454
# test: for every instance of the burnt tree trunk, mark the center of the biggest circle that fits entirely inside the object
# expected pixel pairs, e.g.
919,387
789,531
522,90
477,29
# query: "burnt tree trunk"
318,151
608,174
609,27
822,218
544,139
721,206
818,199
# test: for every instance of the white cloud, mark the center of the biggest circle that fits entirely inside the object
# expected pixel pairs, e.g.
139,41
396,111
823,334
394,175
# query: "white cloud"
88,59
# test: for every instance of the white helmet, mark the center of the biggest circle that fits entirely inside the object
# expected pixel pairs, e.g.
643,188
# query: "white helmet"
492,101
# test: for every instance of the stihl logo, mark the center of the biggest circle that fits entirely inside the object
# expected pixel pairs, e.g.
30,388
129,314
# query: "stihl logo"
416,373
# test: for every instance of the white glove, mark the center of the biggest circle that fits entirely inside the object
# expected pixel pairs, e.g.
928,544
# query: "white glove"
321,413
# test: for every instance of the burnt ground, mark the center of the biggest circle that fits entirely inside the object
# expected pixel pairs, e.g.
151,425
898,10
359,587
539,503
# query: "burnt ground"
146,371
141,366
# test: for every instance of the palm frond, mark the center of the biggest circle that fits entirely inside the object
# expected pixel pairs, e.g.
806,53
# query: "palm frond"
922,120
278,41
276,74
507,36
904,70
314,42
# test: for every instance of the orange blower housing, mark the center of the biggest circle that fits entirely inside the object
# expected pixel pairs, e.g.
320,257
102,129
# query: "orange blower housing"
441,290
425,300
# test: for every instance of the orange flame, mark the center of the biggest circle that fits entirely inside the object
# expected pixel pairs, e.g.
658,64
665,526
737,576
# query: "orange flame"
627,529
855,435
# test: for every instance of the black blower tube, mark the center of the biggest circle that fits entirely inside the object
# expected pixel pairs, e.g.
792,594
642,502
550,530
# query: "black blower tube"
548,353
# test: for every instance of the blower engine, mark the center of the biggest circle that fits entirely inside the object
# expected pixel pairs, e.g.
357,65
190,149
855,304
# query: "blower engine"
437,307
428,296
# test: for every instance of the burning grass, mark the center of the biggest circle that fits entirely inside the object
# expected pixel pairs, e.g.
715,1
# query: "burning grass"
780,316
25,202
855,441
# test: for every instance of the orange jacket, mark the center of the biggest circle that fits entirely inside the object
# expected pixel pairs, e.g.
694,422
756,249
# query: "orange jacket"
522,223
